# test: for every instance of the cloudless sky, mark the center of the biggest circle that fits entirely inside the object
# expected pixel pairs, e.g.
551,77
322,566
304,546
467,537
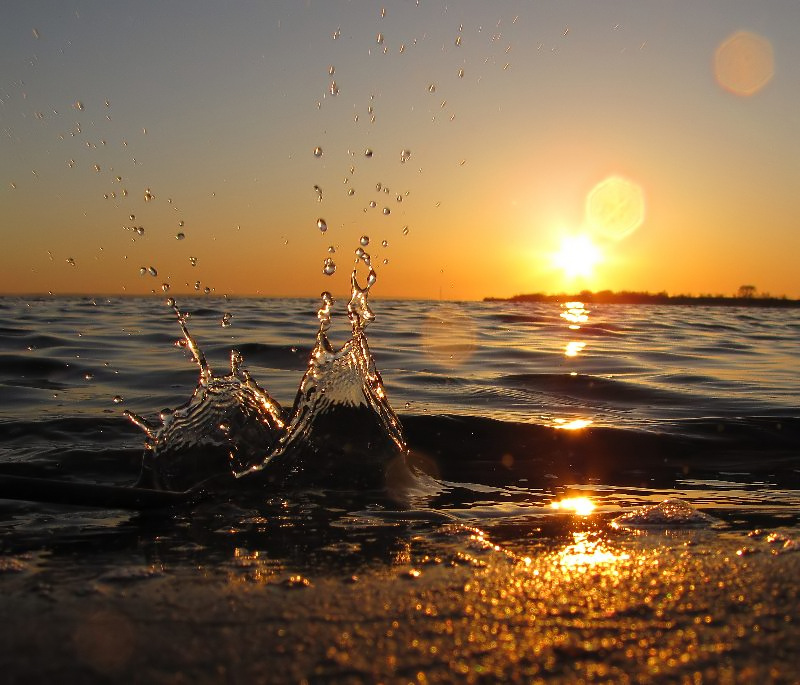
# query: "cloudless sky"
123,125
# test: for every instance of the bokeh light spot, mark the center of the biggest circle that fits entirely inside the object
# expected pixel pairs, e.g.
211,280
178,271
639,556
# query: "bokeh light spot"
744,63
615,207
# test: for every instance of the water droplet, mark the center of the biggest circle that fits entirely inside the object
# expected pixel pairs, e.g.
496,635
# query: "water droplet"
385,243
458,41
329,267
193,261
405,230
70,261
368,153
35,33
88,375
318,151
152,271
334,89
364,240
206,290
318,191
78,105
180,236
383,12
322,225
385,261
180,224
331,70
197,285
351,192
386,211
165,287
139,230
331,249
432,88
117,399
96,167
399,198
405,155
132,217
373,204
378,186
379,39
170,302
142,270
226,320
148,195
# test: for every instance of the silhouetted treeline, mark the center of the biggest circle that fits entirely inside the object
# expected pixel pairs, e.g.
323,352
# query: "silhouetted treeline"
630,297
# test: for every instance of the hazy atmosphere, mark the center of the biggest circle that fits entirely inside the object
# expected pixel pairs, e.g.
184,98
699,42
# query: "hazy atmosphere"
482,148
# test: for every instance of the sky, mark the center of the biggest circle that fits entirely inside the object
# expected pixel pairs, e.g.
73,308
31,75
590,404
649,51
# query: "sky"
478,149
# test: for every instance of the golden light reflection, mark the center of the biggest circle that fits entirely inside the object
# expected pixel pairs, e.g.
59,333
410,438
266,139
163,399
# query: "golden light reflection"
582,506
586,552
577,256
575,313
572,348
744,63
615,207
574,425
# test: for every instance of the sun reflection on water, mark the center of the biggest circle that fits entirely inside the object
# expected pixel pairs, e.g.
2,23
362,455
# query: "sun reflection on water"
588,551
582,506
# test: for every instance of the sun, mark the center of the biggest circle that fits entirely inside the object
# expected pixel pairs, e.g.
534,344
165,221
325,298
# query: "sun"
577,256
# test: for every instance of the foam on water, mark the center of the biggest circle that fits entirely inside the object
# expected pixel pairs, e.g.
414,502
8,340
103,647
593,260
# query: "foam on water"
341,430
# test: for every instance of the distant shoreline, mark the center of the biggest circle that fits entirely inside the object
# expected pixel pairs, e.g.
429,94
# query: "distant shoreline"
625,297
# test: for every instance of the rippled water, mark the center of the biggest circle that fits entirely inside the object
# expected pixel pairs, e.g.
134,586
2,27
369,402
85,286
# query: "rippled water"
506,409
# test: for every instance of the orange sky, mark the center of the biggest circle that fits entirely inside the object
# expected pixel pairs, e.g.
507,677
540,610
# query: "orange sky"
512,112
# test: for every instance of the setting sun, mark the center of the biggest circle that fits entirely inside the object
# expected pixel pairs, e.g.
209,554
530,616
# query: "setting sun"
577,256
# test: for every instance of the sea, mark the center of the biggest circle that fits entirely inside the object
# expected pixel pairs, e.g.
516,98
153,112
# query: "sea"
590,493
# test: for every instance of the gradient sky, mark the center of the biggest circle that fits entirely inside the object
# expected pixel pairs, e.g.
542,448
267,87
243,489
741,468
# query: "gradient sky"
512,112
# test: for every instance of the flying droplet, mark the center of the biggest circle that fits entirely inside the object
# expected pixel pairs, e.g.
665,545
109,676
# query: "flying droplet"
329,267
70,261
432,88
139,230
78,105
364,240
318,191
334,89
379,39
322,225
331,249
351,192
117,399
96,167
460,73
197,285
142,270
318,151
405,155
331,70
164,287
180,236
405,230
378,186
180,224
226,320
373,204
152,271
148,195
368,153
385,243
132,217
193,261
458,41
386,211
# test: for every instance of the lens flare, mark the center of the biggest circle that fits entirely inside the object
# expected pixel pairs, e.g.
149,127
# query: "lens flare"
615,207
744,63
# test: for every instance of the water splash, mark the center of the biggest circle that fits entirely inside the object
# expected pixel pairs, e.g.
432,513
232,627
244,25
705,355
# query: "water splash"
341,429
227,425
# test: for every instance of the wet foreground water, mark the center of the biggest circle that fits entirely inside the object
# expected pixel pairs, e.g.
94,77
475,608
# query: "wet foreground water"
626,512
